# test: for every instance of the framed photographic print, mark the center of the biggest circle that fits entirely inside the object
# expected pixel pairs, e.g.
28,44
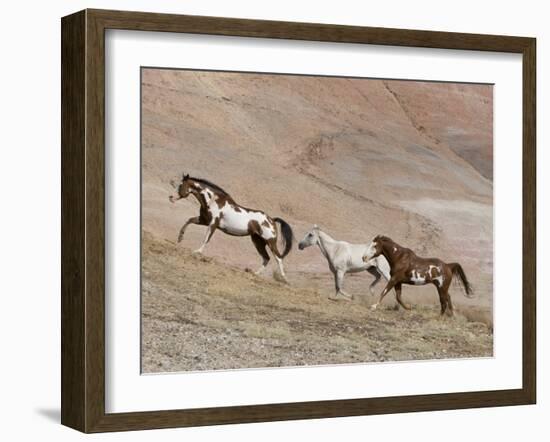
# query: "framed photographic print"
269,220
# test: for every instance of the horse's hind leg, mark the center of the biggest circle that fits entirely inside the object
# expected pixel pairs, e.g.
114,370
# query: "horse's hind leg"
450,305
377,275
444,291
272,244
260,244
443,299
339,280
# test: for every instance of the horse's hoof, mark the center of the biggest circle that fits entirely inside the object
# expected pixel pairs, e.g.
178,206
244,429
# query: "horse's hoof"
280,278
374,306
344,295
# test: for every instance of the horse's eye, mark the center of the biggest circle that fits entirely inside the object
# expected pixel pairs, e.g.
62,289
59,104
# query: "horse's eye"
310,235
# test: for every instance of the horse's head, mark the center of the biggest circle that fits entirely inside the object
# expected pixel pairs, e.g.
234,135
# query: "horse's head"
183,189
374,249
310,239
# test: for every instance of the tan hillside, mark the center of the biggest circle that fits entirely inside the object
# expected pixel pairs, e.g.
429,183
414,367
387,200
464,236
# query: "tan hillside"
411,160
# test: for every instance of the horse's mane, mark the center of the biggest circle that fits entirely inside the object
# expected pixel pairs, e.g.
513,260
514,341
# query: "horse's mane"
384,238
387,239
210,184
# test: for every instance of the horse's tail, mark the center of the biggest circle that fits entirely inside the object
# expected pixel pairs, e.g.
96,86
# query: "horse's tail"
458,271
287,235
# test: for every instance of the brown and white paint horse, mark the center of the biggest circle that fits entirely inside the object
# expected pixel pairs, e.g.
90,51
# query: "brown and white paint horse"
219,211
408,268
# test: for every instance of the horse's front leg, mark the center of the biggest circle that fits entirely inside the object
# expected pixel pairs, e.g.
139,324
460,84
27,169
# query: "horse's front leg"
339,281
398,297
391,283
209,232
193,220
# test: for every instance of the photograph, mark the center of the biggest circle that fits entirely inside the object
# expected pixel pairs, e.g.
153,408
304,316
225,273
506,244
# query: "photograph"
309,220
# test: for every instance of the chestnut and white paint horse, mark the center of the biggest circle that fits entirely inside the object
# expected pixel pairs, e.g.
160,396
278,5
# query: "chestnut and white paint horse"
219,211
408,268
344,257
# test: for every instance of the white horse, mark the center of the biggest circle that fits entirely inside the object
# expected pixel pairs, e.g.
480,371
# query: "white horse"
344,257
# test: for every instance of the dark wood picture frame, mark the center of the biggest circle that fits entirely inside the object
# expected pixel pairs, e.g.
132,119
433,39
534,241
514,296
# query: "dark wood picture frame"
83,220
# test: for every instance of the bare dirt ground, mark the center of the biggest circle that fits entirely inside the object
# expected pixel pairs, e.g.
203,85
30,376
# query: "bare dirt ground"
410,160
199,314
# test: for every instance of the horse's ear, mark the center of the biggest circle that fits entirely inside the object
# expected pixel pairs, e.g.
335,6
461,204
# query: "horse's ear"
315,226
185,177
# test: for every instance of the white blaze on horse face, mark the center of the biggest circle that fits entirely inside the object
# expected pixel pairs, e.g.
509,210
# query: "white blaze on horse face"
370,252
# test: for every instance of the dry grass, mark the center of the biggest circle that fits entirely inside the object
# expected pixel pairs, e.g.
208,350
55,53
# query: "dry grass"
199,314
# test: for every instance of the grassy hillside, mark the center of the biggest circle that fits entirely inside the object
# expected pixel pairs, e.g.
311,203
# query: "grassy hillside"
199,314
